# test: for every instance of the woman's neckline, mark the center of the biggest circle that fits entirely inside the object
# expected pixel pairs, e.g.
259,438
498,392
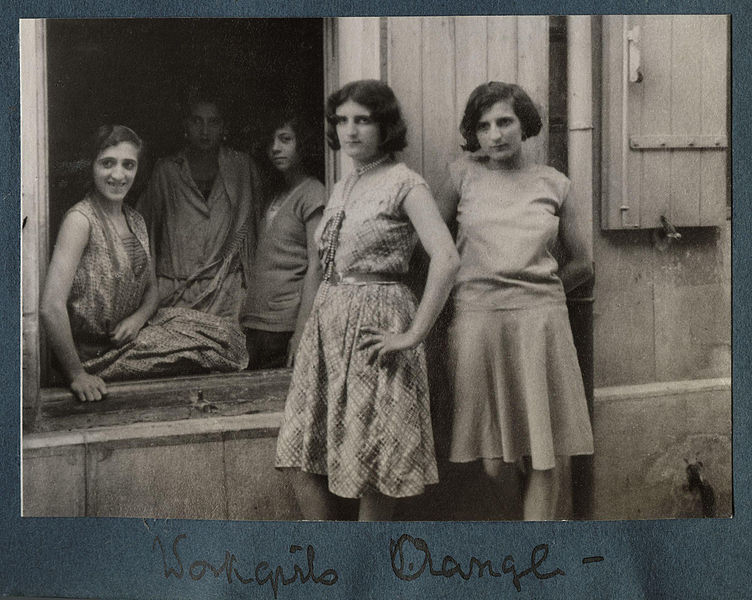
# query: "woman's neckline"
293,180
373,165
110,218
283,195
501,169
482,159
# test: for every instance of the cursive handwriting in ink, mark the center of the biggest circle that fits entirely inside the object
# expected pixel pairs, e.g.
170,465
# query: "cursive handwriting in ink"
411,556
262,573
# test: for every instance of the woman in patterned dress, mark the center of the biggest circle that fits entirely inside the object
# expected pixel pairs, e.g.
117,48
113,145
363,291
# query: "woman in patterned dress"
357,421
101,289
518,392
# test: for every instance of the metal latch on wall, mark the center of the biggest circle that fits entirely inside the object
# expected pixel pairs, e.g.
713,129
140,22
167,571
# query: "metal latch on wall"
664,236
633,55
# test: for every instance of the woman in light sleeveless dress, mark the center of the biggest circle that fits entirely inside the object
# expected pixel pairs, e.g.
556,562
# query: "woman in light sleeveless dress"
517,387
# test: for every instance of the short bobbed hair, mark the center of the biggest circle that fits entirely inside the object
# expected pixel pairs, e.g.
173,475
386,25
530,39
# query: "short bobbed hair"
378,98
484,97
111,135
308,145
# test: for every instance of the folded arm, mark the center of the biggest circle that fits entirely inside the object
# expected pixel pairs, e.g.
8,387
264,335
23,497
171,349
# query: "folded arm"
444,263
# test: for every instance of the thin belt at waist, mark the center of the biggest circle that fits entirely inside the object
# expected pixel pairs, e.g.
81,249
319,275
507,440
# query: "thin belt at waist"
353,278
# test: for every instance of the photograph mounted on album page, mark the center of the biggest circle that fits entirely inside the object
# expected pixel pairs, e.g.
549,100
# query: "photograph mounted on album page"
461,277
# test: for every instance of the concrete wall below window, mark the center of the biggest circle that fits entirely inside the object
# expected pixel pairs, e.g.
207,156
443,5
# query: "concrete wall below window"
222,467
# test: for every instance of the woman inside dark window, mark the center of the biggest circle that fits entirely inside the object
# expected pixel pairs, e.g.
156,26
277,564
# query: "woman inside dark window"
286,272
199,207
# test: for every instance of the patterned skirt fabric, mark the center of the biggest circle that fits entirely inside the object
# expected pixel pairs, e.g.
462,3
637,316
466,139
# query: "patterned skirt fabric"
175,341
517,387
368,428
222,295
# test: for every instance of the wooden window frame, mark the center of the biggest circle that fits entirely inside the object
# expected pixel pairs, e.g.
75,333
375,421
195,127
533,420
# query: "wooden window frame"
46,409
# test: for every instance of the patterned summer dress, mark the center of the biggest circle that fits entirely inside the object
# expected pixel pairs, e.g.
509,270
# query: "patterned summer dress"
366,426
109,285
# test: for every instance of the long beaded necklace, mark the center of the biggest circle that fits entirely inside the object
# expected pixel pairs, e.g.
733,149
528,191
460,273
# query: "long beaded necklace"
335,223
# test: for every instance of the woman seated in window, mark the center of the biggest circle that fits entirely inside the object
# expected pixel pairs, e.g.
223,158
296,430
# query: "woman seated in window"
101,290
286,272
198,206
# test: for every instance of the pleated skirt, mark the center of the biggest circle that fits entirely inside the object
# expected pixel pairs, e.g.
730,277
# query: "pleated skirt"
517,387
366,427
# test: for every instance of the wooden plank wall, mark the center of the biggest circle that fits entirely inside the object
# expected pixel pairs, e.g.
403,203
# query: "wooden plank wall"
434,63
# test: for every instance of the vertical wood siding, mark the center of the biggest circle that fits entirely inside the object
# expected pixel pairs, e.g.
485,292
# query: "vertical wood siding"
713,115
359,57
435,62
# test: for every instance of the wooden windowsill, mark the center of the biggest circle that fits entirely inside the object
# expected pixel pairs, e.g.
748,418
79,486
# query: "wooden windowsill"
168,399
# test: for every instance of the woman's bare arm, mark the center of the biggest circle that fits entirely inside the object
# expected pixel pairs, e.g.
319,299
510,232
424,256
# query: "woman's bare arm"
127,330
444,263
311,283
575,236
71,241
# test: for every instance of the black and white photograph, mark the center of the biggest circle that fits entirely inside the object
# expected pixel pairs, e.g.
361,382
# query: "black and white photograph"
408,268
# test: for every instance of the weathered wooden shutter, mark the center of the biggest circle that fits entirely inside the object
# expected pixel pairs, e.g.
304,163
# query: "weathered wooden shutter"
665,127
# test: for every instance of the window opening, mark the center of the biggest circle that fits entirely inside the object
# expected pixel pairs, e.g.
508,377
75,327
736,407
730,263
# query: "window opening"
136,72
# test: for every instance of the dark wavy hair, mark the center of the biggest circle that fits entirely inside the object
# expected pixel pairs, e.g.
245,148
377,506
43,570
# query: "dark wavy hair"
377,97
105,137
111,135
307,138
308,145
484,97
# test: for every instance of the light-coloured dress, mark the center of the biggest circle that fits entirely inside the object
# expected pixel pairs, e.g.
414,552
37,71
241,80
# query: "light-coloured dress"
202,246
517,385
366,426
109,285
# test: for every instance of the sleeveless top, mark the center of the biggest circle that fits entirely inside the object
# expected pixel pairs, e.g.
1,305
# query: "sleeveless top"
108,285
507,235
376,235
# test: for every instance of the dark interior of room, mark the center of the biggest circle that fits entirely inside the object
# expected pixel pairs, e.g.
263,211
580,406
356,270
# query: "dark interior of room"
137,72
